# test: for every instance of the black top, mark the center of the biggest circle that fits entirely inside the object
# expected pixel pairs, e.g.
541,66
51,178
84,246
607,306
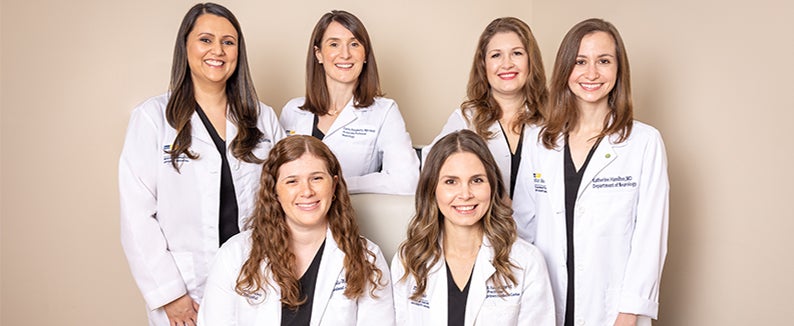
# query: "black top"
573,179
227,219
303,315
316,133
515,159
456,300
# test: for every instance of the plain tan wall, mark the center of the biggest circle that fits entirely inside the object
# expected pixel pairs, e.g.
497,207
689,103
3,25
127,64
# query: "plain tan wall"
713,77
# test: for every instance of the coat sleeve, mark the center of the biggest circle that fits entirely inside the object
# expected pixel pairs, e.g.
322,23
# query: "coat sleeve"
377,310
640,291
537,301
400,165
455,122
220,299
144,244
400,289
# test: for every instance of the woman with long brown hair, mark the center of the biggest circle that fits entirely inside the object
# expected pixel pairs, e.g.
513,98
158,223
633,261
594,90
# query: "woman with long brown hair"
302,260
462,262
190,163
506,90
600,187
345,108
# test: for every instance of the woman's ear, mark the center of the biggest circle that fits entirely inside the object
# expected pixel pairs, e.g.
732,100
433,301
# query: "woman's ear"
318,55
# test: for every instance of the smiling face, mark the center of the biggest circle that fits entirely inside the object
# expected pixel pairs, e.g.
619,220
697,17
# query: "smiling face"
341,54
463,192
212,50
595,71
506,64
305,190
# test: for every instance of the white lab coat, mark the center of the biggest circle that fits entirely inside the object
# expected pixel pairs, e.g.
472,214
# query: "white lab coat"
371,144
169,219
223,306
502,155
620,225
529,302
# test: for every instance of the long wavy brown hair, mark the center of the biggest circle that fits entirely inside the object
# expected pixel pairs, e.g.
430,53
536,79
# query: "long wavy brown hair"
240,93
422,248
270,236
563,113
368,86
480,104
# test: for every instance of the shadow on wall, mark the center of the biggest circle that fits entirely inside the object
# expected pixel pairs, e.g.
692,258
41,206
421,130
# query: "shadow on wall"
383,219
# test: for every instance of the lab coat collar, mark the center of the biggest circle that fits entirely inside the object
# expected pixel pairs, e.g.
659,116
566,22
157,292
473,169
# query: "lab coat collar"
198,130
328,275
349,114
478,290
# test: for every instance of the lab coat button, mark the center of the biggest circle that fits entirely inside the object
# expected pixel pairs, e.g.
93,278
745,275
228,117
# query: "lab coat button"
580,321
579,267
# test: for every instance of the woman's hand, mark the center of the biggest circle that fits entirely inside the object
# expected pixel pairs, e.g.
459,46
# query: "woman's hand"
182,311
625,319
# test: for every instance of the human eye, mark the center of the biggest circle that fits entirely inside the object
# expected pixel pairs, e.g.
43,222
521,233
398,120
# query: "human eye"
495,55
518,53
290,181
449,181
333,44
228,42
604,61
205,40
355,44
478,180
579,62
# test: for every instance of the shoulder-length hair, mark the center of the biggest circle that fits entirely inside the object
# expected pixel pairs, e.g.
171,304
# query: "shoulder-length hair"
480,104
422,248
368,85
270,236
563,113
240,93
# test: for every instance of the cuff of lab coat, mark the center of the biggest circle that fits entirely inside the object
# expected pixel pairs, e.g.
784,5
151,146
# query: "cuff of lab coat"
633,304
164,295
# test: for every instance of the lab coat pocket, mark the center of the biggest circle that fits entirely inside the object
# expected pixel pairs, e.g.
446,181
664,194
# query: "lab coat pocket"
340,311
615,212
498,314
184,261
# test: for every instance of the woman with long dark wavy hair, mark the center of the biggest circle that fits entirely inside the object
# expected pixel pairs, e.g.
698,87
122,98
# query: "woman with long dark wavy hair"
302,260
190,164
462,262
600,187
505,94
345,108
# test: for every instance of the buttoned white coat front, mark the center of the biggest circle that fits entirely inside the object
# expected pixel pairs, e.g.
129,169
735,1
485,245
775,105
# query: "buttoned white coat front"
371,144
529,302
169,219
222,306
620,225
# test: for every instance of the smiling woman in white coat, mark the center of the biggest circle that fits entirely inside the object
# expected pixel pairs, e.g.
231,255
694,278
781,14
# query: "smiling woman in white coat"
302,260
600,187
345,109
462,263
190,164
506,89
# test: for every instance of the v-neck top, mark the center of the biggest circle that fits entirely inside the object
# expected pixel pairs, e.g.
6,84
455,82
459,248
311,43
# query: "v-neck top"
456,299
573,179
515,158
228,210
307,283
316,132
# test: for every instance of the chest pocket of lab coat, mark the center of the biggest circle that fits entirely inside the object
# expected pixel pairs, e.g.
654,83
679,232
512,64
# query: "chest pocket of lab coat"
505,313
611,206
358,149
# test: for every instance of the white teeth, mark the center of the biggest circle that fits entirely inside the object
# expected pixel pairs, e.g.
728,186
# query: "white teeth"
464,208
214,62
508,75
306,205
590,86
345,66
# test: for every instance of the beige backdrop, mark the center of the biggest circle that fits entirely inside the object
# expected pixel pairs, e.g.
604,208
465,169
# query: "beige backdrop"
712,76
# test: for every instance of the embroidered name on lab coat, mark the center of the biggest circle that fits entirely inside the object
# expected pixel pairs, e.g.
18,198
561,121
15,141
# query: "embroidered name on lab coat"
167,157
614,182
540,183
422,302
356,132
492,292
341,285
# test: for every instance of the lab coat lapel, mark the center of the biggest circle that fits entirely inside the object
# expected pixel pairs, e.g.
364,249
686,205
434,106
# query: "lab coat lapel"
437,292
603,155
328,275
199,131
348,115
553,173
478,290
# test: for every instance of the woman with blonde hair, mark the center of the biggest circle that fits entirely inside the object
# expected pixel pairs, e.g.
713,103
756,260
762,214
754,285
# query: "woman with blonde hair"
302,260
462,262
599,186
